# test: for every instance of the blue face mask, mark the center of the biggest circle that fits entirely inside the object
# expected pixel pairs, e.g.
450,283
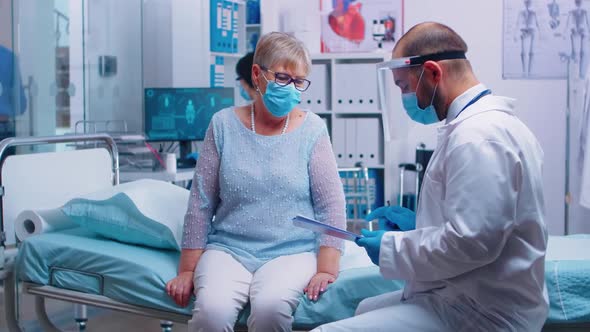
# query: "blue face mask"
280,100
244,94
415,112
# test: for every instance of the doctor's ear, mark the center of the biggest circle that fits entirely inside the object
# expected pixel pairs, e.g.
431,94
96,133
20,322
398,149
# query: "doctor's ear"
433,70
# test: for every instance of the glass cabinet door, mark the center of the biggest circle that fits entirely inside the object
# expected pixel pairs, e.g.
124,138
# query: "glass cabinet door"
73,62
48,66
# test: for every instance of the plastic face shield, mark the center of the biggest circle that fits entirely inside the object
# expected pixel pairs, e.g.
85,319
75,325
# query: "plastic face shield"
387,95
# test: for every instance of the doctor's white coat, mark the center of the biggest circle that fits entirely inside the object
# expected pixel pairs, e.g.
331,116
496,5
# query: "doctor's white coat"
480,232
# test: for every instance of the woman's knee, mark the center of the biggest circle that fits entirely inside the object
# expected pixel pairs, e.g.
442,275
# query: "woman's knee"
213,313
270,313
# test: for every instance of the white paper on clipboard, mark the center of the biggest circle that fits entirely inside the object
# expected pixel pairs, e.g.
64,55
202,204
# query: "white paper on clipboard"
318,227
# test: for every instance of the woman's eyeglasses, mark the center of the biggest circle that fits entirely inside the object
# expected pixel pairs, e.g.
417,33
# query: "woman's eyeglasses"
284,79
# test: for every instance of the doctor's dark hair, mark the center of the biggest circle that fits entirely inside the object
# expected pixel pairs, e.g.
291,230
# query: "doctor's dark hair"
244,68
431,38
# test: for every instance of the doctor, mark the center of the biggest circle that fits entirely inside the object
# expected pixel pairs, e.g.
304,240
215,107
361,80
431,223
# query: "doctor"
475,261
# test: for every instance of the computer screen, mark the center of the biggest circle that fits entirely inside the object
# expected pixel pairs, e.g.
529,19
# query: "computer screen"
182,114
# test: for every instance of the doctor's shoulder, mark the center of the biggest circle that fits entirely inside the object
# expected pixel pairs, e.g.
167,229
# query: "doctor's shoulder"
493,126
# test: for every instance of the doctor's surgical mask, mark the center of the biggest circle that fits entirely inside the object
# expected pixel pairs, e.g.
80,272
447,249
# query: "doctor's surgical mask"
244,93
415,112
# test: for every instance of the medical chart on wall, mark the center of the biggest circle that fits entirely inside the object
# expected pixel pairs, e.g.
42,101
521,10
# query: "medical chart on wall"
360,25
539,35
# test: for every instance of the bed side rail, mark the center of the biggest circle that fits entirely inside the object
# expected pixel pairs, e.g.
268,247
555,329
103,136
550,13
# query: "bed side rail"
35,141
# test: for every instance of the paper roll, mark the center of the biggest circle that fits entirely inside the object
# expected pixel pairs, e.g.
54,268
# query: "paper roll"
29,222
170,160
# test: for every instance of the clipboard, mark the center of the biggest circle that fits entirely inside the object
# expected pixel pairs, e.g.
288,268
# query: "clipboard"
318,227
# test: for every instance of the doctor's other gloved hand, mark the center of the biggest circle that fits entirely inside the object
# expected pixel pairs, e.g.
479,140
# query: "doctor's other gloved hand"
371,241
394,218
181,288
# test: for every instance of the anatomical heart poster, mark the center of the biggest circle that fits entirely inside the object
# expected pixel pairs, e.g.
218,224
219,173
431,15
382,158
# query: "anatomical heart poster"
360,25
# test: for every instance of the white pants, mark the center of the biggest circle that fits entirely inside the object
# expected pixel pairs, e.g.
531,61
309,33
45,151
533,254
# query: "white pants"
423,312
223,286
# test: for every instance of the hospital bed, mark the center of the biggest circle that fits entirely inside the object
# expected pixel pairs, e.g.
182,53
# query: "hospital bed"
78,266
128,278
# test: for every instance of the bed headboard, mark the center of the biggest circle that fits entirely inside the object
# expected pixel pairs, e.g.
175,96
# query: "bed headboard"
48,180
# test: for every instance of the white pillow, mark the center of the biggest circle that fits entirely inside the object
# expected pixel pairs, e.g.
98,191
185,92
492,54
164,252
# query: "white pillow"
145,212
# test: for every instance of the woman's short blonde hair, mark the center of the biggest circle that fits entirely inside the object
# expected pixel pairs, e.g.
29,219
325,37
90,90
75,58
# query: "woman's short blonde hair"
281,49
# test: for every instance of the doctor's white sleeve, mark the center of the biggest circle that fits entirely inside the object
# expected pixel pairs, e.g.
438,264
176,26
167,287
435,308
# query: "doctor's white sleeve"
327,192
482,180
204,195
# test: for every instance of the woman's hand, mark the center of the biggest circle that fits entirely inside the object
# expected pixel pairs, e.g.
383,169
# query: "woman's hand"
318,284
181,288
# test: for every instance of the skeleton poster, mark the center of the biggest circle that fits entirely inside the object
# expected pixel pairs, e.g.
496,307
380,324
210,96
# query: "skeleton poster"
540,36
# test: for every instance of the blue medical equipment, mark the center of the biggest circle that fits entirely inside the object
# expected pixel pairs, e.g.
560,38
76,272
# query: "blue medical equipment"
183,115
409,199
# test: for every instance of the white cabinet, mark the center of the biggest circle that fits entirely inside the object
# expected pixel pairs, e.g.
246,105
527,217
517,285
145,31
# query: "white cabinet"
317,96
344,92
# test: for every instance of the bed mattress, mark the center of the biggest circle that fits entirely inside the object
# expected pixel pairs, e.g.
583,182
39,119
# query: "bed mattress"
78,260
567,275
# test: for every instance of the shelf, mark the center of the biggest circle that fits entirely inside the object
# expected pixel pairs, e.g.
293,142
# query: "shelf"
353,56
369,167
227,55
253,26
346,114
350,114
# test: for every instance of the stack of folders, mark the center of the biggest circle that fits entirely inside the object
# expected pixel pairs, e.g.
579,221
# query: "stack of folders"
224,25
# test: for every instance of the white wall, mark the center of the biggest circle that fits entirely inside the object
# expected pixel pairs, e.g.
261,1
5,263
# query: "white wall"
190,43
114,28
541,103
301,18
157,43
176,43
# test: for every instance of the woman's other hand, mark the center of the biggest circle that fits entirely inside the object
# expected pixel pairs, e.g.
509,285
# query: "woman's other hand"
318,284
181,288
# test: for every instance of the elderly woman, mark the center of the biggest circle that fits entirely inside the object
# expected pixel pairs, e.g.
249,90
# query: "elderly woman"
260,166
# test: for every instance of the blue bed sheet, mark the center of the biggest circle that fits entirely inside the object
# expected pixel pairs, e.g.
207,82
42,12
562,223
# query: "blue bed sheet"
79,260
567,275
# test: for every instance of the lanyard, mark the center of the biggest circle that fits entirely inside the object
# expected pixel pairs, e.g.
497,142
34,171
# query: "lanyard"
474,100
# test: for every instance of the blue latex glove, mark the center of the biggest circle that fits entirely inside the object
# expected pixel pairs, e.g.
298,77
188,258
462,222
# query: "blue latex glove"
371,241
394,218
